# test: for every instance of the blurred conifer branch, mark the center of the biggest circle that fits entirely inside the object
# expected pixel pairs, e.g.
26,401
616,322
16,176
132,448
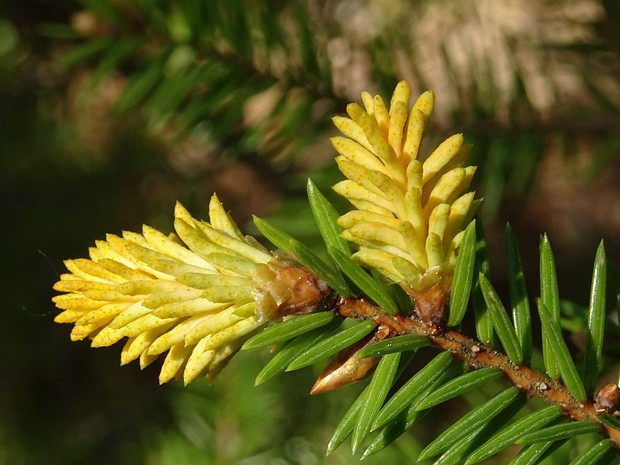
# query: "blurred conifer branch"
248,76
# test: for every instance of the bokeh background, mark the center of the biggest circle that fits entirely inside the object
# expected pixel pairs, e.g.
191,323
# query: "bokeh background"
112,110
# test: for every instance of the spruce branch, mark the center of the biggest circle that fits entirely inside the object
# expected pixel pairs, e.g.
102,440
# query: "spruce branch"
207,291
480,355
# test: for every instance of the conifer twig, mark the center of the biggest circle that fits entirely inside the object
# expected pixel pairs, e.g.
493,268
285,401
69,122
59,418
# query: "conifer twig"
478,355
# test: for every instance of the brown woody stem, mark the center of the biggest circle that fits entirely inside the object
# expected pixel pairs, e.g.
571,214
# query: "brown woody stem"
479,355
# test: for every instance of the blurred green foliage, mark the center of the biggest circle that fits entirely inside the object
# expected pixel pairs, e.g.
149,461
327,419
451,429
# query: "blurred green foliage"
112,110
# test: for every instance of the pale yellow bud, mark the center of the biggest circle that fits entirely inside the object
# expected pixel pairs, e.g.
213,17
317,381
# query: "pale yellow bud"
191,295
410,210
